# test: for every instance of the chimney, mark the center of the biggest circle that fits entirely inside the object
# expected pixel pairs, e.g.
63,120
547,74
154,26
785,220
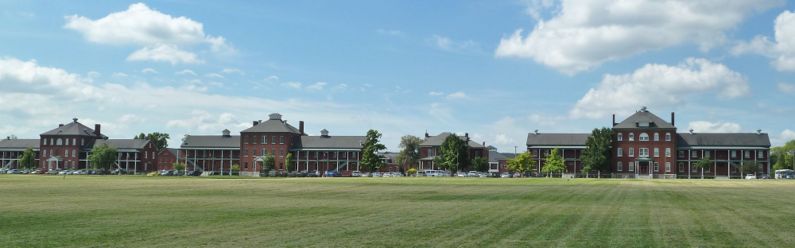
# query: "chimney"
74,119
426,134
301,127
759,131
536,131
97,129
467,136
60,125
484,143
614,120
673,119
254,123
691,131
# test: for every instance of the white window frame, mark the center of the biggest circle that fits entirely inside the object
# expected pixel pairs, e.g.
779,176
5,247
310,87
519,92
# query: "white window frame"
667,136
656,152
631,152
631,166
620,137
656,136
619,166
643,137
631,136
667,152
643,152
619,152
667,167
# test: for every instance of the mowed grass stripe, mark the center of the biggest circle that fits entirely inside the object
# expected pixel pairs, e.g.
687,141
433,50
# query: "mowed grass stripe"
126,211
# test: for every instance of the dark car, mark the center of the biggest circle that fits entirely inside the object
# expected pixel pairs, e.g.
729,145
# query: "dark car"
195,173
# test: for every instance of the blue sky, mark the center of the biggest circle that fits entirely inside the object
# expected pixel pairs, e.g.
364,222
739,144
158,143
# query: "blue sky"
494,69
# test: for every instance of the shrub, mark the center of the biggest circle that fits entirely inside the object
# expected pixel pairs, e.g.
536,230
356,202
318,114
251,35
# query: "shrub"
411,172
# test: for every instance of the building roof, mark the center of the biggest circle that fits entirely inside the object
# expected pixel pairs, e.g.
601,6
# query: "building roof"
557,139
723,139
19,144
495,156
123,144
211,141
274,124
74,128
331,142
637,119
439,139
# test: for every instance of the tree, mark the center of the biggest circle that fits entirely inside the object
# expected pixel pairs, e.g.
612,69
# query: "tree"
522,163
409,151
749,167
159,139
782,160
178,166
453,152
370,149
703,163
596,155
235,169
288,162
480,164
268,162
554,163
26,160
103,157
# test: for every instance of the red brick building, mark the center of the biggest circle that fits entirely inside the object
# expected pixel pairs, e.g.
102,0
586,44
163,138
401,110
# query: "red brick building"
431,147
166,159
645,145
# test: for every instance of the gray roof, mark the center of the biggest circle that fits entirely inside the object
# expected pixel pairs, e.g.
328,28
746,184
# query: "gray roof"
723,139
73,128
557,139
439,139
495,156
331,142
273,125
123,144
19,144
644,116
211,141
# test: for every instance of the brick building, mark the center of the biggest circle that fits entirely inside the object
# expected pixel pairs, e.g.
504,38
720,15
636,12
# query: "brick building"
431,147
645,145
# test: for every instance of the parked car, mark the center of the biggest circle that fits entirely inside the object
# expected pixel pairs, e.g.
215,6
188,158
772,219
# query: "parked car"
37,171
195,173
517,174
505,175
356,173
332,173
461,174
473,174
376,174
54,172
14,171
750,176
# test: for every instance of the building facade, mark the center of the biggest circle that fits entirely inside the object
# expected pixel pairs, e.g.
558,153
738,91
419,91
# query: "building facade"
645,145
431,147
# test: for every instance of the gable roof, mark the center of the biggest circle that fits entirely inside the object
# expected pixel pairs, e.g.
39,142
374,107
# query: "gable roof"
495,156
439,139
644,116
211,141
723,139
123,144
19,144
331,142
557,139
274,124
74,128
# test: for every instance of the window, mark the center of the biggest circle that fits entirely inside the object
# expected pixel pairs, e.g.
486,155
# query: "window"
263,152
264,139
656,166
668,167
45,142
643,152
620,137
619,152
667,136
693,168
706,154
694,154
45,153
656,137
681,153
747,154
146,155
644,137
760,154
65,153
631,152
668,152
82,141
74,141
281,139
273,139
681,167
631,136
656,152
734,153
631,166
618,166
59,142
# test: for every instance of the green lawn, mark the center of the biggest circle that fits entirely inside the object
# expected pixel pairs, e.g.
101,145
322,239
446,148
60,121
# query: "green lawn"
130,211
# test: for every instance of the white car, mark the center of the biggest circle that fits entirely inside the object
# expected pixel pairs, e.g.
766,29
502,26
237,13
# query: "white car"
473,174
356,173
750,176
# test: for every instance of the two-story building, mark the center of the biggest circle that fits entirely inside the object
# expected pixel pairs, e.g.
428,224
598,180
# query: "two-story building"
431,147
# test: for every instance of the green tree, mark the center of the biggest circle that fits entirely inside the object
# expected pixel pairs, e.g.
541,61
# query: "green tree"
480,164
749,167
782,161
409,151
370,149
289,163
522,163
268,163
235,169
159,139
554,163
453,152
178,166
26,160
103,157
703,163
596,155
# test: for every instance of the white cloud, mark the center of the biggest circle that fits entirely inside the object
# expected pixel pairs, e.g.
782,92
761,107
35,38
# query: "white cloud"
294,85
186,72
786,88
149,71
130,119
232,71
782,50
214,75
93,74
162,36
714,127
457,95
657,85
435,93
450,45
786,136
118,74
316,86
585,34
164,53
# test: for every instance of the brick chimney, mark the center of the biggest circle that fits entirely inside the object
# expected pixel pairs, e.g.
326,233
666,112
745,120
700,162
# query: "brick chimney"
614,120
673,119
301,127
97,129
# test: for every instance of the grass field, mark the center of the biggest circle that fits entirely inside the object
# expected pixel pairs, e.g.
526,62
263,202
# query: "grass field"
129,211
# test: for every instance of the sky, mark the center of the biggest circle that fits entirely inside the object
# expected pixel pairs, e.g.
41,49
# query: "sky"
496,70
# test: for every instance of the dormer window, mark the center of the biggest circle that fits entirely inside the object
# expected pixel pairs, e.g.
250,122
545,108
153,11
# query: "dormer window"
644,137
